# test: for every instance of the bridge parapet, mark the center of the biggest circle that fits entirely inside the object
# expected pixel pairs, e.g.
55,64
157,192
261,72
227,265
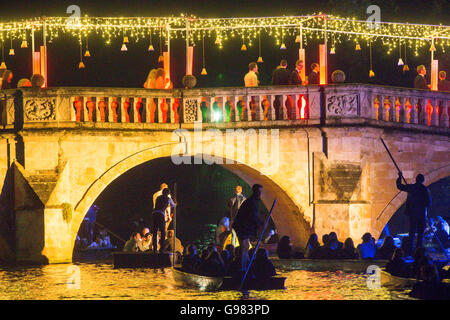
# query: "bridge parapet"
318,104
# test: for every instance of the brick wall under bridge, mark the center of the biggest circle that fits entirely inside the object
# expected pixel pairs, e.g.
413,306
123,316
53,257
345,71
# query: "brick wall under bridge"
328,173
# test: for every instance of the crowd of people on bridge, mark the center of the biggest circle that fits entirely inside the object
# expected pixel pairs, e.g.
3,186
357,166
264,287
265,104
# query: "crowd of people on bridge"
282,76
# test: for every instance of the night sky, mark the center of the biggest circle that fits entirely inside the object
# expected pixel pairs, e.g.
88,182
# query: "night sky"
110,67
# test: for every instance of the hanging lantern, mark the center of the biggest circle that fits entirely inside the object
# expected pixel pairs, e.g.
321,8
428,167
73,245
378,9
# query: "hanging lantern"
332,50
371,74
3,65
81,65
405,68
357,47
11,52
124,47
400,62
24,44
260,60
87,53
204,73
217,41
125,39
244,47
432,48
283,46
297,39
150,48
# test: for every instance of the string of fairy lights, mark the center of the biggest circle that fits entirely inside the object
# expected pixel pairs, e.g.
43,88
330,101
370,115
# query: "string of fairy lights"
392,35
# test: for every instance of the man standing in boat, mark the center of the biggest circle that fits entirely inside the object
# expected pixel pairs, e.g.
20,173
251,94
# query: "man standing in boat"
235,203
247,222
416,207
159,215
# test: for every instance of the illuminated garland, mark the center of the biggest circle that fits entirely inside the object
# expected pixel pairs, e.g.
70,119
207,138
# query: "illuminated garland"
220,30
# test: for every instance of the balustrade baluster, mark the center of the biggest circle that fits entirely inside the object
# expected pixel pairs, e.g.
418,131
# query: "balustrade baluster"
444,121
413,115
401,112
283,107
434,117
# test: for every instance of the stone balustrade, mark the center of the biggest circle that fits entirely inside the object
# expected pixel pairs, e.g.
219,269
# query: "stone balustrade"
316,104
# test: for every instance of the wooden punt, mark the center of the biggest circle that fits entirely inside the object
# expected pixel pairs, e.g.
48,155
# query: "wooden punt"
204,283
142,260
358,266
388,280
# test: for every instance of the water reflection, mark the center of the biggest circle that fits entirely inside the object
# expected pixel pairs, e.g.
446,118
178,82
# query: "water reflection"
101,281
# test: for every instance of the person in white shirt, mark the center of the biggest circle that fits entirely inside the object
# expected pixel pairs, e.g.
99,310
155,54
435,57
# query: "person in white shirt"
251,78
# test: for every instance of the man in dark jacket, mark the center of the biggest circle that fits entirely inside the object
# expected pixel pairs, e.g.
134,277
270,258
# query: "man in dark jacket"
443,84
296,78
416,208
313,77
159,222
420,82
247,222
281,75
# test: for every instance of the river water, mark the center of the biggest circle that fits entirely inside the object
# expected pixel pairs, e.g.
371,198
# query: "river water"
101,281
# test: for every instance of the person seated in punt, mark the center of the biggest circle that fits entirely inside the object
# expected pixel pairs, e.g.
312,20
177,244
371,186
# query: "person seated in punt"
431,288
213,266
168,243
226,258
312,246
191,260
134,244
348,251
262,267
367,249
284,249
333,241
147,241
386,251
397,265
234,269
420,259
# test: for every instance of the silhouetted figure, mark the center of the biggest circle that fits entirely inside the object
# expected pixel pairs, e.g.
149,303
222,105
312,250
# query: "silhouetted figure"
397,266
416,207
235,203
284,249
431,288
212,266
191,260
420,259
262,267
322,252
314,77
6,78
159,222
348,251
386,251
247,222
367,249
281,75
312,246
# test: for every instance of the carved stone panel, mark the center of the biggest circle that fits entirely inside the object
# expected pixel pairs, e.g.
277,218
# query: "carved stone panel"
40,109
190,110
343,105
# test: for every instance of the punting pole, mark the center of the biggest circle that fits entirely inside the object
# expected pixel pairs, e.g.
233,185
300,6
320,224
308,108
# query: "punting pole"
257,245
426,219
174,223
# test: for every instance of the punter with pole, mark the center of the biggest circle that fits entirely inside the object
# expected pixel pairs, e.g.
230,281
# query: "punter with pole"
246,223
416,208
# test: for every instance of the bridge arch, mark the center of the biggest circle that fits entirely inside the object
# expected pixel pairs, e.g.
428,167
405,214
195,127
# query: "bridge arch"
399,199
287,215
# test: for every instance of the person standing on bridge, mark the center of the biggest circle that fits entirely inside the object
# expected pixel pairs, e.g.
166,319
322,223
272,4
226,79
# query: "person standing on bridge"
251,78
296,78
247,222
420,82
159,221
416,208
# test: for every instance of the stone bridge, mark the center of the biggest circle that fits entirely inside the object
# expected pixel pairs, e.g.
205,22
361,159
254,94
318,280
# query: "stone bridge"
316,149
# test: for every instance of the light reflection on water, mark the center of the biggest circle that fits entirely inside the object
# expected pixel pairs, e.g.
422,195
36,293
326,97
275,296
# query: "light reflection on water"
101,281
